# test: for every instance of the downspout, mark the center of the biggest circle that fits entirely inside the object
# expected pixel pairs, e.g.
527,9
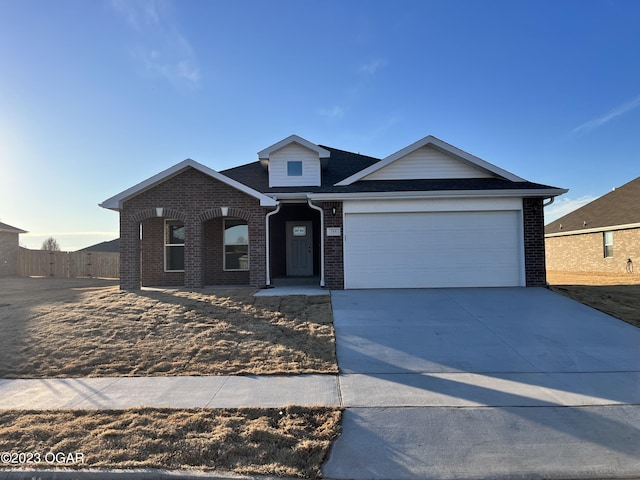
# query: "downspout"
551,200
315,207
268,259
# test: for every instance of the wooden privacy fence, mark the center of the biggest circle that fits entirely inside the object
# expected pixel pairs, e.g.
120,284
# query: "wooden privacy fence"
42,263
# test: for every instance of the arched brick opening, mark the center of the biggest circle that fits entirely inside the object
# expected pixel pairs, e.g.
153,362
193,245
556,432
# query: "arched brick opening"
214,271
231,212
142,252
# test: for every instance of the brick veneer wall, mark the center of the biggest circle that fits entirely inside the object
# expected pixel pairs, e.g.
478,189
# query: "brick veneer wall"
9,245
534,257
333,247
152,249
585,252
213,261
196,199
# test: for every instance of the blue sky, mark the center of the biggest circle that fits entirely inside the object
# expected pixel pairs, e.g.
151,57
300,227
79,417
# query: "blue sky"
96,96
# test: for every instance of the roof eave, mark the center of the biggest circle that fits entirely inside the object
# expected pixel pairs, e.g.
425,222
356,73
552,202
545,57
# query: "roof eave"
611,228
542,193
117,201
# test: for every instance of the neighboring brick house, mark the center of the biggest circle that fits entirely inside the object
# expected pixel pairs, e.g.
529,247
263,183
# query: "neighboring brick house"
9,246
429,215
602,236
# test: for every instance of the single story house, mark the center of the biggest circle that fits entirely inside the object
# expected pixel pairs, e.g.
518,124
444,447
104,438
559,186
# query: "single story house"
602,236
429,215
9,246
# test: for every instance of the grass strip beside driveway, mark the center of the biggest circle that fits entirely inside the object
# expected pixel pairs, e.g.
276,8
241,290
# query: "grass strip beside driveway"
291,441
62,328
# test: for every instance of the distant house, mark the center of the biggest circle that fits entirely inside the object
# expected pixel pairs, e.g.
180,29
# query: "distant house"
112,246
429,215
602,236
9,245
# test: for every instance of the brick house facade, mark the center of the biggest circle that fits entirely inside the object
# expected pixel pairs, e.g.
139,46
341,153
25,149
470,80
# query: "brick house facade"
600,237
292,212
585,252
200,202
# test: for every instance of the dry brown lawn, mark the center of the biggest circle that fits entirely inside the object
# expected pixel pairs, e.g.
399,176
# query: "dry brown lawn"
293,441
88,327
615,294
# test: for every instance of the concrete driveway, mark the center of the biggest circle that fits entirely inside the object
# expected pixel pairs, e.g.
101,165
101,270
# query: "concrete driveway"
479,383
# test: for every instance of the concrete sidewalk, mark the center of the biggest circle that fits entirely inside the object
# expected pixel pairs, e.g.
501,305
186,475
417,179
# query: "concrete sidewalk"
174,392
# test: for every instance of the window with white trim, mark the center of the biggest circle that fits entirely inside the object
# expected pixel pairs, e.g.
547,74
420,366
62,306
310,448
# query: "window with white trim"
174,246
294,168
236,244
607,240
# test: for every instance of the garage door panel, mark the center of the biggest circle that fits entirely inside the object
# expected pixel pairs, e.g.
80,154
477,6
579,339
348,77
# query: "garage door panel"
443,249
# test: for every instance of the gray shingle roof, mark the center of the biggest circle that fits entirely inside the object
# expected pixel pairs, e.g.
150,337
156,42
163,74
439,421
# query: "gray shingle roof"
344,164
112,246
619,207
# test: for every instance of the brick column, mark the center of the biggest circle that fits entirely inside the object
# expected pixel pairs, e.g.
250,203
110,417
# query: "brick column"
333,247
129,253
257,249
534,257
193,277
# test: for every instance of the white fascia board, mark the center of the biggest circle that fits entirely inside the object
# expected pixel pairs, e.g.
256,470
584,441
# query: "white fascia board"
593,230
290,196
440,145
264,154
545,193
115,202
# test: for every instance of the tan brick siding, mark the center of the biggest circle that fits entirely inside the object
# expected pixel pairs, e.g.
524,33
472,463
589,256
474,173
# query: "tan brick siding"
585,252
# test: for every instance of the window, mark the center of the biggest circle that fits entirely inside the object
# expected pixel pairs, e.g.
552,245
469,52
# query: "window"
236,244
294,169
608,244
174,246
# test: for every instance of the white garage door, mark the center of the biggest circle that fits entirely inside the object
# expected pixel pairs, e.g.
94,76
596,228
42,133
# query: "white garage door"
435,249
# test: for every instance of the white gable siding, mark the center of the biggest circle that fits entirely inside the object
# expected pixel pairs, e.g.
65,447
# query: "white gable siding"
426,163
294,152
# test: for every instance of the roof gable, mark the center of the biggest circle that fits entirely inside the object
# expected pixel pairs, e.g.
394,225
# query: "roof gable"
115,202
428,163
427,158
618,208
266,153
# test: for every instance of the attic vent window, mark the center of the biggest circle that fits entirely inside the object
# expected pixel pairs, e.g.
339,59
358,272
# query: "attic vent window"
294,168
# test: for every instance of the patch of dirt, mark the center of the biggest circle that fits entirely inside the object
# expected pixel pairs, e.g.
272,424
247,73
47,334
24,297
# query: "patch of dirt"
88,327
615,294
292,441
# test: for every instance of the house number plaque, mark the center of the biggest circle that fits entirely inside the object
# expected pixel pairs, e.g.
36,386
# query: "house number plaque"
333,231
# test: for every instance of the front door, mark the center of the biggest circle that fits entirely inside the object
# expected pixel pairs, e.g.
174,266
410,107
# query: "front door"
299,249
